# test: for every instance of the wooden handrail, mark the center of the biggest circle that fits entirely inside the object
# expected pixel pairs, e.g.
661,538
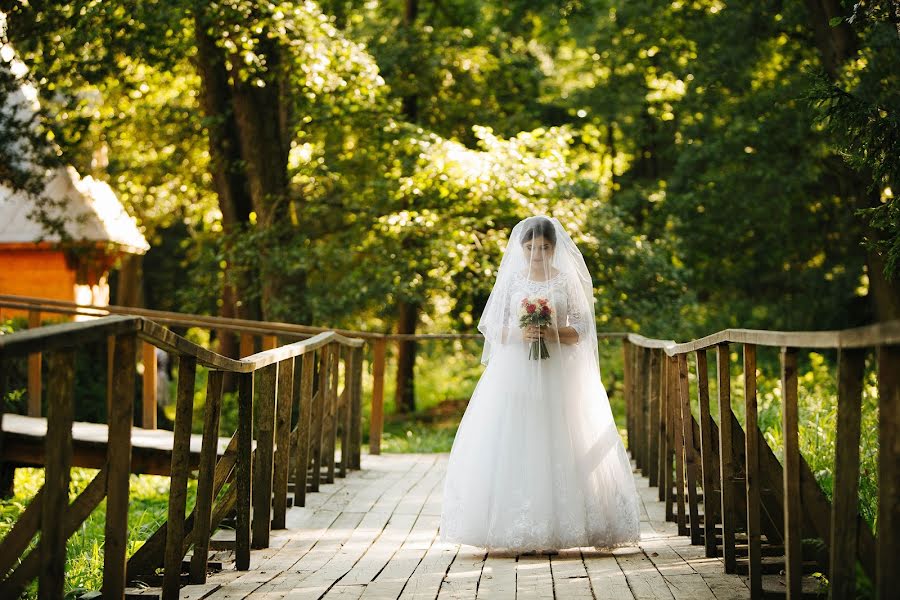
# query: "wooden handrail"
887,332
746,487
227,323
264,379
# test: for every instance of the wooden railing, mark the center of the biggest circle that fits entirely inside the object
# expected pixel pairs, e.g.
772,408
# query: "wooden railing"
301,376
744,486
264,334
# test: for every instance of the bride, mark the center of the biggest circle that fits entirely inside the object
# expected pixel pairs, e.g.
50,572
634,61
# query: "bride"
537,463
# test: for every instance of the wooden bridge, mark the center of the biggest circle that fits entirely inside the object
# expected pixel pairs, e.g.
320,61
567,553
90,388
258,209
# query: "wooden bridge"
313,516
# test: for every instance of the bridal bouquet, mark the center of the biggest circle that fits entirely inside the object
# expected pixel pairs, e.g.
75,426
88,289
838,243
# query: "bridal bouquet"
535,311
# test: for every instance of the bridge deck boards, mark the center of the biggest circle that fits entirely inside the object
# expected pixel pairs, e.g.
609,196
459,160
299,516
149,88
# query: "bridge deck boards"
373,535
23,443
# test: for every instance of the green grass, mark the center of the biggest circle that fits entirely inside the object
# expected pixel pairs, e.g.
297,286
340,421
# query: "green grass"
147,510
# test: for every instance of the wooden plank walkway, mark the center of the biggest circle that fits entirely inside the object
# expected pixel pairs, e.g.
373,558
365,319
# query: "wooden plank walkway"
373,535
25,437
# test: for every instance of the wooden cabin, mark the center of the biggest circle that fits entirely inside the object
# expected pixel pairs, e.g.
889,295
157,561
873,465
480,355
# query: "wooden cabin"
99,232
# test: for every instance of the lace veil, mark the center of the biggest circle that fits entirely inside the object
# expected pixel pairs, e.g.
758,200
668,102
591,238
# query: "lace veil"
539,250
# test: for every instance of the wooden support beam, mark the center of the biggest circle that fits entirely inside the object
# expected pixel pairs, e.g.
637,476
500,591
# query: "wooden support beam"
181,448
793,517
307,373
356,410
627,348
318,416
678,427
690,454
263,464
329,444
726,468
708,463
149,383
653,416
844,526
664,459
282,442
888,575
669,478
118,465
752,478
247,345
376,421
61,370
205,478
34,370
243,482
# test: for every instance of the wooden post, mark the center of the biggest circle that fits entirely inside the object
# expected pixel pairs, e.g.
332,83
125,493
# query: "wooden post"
244,473
670,440
205,478
707,461
723,379
346,394
645,411
7,471
265,454
118,465
793,517
634,393
303,428
269,342
148,401
664,461
888,575
844,513
690,455
356,409
318,415
247,345
752,479
376,423
678,426
34,370
330,441
58,459
641,365
181,460
627,348
653,422
110,359
282,442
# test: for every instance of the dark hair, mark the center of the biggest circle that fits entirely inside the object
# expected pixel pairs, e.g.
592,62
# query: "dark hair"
539,227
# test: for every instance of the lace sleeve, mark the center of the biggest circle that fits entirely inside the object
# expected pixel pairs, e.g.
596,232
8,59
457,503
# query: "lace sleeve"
511,333
576,318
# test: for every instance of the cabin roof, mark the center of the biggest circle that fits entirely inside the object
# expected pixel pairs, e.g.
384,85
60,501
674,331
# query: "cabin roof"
89,207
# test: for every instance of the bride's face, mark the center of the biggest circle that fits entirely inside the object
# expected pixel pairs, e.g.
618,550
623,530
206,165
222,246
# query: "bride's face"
539,251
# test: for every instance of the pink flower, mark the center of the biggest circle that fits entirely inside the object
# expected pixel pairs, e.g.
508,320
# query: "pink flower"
530,308
545,310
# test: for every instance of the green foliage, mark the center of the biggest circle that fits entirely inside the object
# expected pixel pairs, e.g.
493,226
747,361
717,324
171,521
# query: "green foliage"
147,510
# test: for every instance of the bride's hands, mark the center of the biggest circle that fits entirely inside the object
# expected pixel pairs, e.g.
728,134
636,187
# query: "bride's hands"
533,333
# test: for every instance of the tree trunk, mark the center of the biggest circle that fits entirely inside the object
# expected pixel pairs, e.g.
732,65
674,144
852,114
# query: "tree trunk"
404,398
228,176
262,119
837,45
407,312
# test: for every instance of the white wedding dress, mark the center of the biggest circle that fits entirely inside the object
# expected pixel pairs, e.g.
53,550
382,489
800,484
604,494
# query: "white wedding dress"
537,463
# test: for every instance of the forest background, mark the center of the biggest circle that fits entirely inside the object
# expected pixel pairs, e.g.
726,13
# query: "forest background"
360,164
